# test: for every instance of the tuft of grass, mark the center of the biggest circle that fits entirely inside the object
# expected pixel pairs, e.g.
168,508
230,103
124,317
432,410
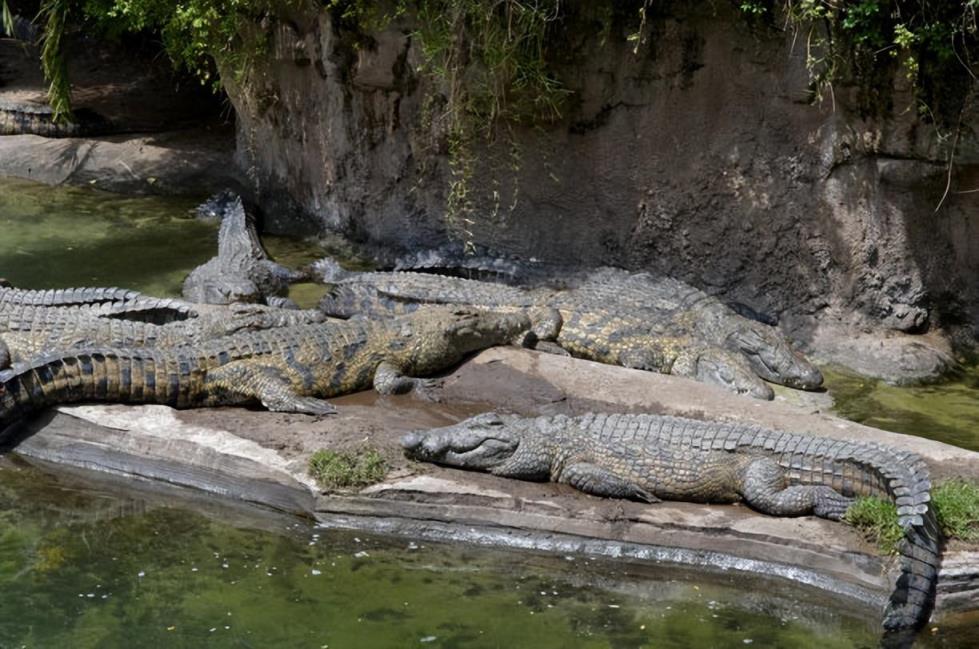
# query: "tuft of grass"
956,504
334,470
876,519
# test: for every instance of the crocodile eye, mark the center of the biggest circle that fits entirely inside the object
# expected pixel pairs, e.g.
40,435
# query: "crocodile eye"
490,419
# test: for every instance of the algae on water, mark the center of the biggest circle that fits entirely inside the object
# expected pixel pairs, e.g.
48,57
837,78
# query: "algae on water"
946,412
86,569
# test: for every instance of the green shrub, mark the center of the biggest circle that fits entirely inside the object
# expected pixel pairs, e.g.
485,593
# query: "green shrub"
334,470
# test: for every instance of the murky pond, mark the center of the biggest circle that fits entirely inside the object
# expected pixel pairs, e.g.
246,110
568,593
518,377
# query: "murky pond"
109,566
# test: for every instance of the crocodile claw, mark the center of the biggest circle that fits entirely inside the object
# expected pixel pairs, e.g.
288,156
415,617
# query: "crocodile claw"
831,505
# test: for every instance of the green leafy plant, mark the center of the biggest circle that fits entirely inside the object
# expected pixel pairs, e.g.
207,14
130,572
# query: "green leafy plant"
851,41
334,470
6,18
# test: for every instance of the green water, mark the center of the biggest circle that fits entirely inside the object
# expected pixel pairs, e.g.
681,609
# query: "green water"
63,236
947,412
75,236
83,567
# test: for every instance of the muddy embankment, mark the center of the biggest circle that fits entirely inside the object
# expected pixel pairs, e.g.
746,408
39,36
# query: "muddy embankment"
261,457
699,155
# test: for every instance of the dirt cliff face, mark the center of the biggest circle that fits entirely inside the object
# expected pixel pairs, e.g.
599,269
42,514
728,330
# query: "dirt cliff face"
700,156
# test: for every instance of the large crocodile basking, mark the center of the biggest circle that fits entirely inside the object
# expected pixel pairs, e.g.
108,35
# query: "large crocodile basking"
648,457
242,270
287,369
632,319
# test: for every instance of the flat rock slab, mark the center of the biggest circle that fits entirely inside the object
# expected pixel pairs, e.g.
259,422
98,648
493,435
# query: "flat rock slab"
261,457
181,162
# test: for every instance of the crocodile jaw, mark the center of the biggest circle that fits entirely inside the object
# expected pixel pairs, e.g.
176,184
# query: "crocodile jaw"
481,443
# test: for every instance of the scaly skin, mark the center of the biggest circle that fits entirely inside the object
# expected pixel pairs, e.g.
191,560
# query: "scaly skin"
10,297
648,457
457,260
597,325
32,331
289,369
30,119
242,271
143,309
673,308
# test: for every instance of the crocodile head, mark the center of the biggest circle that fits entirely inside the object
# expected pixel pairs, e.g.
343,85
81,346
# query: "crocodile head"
482,442
773,359
437,337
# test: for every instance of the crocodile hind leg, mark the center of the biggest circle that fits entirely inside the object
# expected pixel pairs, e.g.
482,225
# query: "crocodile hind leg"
241,382
595,480
4,356
764,488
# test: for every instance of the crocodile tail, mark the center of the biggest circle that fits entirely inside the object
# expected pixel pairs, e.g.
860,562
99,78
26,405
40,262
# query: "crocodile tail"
150,310
108,375
854,468
65,296
349,300
903,478
909,485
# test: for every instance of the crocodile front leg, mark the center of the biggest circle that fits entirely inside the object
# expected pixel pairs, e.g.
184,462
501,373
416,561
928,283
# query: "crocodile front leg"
390,379
764,489
597,481
241,381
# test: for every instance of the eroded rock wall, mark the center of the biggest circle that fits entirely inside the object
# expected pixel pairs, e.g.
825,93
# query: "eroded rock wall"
699,155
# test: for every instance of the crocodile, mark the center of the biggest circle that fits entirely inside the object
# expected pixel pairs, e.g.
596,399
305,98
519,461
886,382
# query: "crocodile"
479,262
652,457
288,369
674,308
242,270
30,331
22,118
631,319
